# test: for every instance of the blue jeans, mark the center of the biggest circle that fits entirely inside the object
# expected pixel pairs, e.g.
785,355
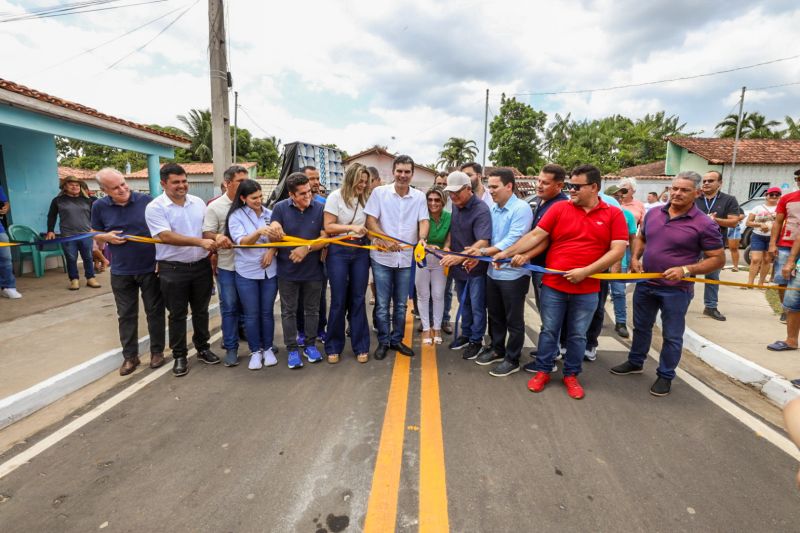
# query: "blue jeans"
711,292
228,308
673,303
7,280
348,274
617,289
258,300
391,287
71,250
556,305
473,308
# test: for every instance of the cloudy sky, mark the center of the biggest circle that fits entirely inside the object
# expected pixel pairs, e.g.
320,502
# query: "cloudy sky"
410,74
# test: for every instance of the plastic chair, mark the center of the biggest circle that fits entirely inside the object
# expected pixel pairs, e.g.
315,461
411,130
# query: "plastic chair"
38,256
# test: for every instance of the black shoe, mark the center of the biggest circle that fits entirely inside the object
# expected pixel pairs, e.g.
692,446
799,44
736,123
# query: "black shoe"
534,352
714,313
380,352
625,368
472,350
622,331
402,349
504,369
419,328
661,387
782,318
487,357
208,357
531,367
461,342
180,367
447,328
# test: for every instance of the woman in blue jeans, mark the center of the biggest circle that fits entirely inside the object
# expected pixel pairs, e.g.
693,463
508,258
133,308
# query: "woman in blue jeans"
256,280
348,267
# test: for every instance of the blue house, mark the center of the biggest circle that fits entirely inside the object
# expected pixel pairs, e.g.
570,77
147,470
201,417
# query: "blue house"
29,122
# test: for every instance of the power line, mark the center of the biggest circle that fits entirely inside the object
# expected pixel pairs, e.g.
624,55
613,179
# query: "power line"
775,86
75,12
156,36
657,82
56,8
257,125
89,50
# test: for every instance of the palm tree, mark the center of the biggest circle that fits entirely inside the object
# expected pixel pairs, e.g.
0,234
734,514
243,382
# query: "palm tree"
557,135
457,151
727,128
198,127
792,130
761,128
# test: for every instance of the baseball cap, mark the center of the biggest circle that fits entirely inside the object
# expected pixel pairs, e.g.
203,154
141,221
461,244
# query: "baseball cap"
456,181
611,190
773,190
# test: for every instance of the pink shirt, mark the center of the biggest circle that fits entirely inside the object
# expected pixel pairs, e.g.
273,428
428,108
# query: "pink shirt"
636,208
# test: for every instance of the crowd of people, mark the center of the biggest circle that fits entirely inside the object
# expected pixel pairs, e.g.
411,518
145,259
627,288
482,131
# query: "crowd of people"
484,243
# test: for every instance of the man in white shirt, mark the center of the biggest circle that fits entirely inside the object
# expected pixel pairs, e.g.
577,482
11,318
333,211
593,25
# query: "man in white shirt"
176,218
399,211
475,173
214,229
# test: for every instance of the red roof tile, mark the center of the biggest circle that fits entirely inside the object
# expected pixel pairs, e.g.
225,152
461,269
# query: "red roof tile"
32,93
190,168
377,150
752,151
80,173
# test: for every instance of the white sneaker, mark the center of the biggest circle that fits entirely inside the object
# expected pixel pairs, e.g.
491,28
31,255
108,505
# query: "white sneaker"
255,361
590,355
11,293
269,358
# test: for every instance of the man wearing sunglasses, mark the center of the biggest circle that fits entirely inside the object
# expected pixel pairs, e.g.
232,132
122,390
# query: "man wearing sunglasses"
724,210
586,236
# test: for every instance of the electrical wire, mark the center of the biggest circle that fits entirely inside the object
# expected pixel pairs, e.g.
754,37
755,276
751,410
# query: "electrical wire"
57,8
775,86
156,36
110,41
75,12
657,82
257,125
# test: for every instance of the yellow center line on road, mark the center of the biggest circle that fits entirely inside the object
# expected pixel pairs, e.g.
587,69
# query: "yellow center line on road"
382,506
433,515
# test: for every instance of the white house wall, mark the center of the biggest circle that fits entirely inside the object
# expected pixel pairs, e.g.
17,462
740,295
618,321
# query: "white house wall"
777,175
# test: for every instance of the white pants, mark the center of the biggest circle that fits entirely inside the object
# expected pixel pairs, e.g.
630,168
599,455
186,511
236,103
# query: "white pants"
430,283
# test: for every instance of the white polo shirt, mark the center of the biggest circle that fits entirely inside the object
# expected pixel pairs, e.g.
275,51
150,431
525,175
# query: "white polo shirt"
163,215
214,221
399,217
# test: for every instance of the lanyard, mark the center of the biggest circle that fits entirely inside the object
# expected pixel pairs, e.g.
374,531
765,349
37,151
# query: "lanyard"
710,207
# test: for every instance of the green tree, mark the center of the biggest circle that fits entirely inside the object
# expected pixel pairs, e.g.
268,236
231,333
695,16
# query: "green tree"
727,128
82,154
457,151
198,130
761,128
517,133
792,130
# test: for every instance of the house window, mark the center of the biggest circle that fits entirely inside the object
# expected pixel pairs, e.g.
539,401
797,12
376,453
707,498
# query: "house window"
758,189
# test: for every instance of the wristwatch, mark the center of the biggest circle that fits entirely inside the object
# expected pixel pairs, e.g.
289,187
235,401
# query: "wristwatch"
483,251
686,271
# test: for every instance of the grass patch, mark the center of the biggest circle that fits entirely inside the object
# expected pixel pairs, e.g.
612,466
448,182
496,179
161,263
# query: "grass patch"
774,301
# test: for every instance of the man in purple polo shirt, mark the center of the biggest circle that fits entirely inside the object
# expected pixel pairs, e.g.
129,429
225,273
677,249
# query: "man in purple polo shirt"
679,240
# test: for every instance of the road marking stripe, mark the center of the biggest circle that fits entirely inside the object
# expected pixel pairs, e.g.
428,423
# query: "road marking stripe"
382,506
433,515
51,440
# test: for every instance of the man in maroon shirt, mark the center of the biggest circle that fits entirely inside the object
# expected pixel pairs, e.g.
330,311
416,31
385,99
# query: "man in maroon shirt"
586,236
672,239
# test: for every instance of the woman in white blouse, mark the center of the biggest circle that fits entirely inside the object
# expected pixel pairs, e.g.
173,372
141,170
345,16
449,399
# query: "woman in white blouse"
348,267
256,280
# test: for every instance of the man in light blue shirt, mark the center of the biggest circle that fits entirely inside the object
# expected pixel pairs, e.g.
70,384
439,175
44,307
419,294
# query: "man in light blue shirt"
506,287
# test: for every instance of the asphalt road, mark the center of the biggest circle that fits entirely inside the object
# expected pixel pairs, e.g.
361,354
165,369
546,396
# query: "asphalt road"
296,450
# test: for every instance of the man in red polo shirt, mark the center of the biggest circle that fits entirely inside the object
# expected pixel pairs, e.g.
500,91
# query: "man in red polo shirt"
586,236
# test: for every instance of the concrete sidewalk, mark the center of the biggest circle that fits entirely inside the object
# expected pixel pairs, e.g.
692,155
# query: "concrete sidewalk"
51,350
738,346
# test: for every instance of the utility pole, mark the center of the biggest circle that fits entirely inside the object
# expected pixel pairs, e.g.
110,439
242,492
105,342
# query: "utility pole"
736,140
485,126
235,122
220,82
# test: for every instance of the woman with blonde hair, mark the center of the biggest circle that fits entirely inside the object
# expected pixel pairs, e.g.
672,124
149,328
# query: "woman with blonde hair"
348,267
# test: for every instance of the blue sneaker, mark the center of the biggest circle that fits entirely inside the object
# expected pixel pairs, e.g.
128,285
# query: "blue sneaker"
312,354
294,360
301,339
322,337
231,358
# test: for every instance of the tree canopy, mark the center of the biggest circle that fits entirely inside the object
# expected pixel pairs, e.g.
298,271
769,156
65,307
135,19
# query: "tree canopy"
457,151
517,132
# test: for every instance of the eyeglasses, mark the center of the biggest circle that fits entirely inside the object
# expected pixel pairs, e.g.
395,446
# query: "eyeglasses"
434,200
773,195
709,181
576,186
